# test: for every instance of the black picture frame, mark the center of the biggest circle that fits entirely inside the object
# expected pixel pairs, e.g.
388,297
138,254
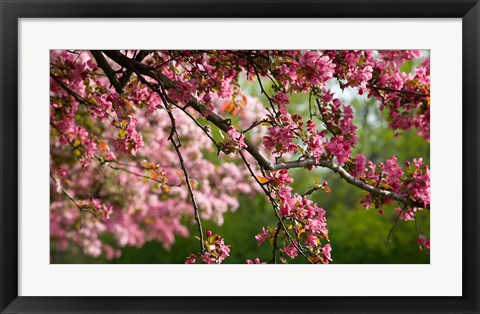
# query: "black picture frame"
11,11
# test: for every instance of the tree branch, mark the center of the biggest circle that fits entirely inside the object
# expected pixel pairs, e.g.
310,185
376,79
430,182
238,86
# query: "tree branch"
128,73
103,64
309,162
397,90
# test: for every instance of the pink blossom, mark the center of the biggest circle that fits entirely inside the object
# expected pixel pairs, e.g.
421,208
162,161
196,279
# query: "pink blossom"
281,98
256,261
311,241
291,251
280,140
262,237
236,136
326,253
424,242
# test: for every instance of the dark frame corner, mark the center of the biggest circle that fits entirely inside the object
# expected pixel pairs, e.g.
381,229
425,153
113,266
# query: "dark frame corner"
11,11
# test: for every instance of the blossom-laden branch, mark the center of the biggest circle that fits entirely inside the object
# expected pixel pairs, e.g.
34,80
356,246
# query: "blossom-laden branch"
92,206
135,91
102,161
264,162
275,206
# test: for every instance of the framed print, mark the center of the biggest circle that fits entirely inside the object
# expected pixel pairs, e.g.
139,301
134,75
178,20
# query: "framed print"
292,144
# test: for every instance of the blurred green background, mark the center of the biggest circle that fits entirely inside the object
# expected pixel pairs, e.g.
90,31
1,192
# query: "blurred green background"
357,235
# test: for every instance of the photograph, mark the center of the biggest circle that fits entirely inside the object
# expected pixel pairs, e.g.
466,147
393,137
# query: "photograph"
239,156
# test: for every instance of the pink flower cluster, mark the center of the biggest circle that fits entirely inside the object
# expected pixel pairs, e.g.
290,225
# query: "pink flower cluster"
338,120
418,181
215,252
354,68
280,140
307,220
358,165
412,183
406,96
265,235
235,142
424,243
313,69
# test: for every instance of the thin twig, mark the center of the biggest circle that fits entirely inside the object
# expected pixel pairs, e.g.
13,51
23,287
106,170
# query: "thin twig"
187,178
275,245
270,100
254,124
80,208
398,91
394,226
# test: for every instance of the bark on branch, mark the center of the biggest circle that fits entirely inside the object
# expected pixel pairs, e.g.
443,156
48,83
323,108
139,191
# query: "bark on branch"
107,69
